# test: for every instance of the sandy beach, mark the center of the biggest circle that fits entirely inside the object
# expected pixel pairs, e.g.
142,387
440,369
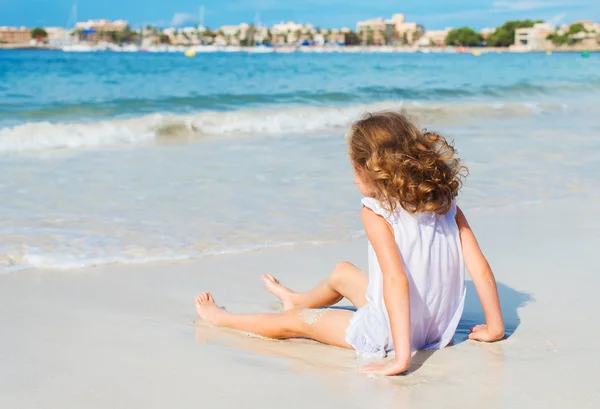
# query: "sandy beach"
126,336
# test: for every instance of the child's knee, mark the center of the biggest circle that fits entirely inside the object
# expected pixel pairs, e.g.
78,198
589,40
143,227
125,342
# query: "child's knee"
340,272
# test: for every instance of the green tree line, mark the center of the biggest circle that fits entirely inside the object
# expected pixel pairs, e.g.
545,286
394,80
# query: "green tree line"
504,35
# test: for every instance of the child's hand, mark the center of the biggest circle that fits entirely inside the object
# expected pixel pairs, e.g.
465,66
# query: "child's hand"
482,333
389,368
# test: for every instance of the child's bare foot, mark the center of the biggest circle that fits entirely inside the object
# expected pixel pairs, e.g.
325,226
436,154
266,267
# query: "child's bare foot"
208,310
279,291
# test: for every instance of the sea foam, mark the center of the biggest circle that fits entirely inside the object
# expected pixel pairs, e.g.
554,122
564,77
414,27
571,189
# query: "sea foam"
41,136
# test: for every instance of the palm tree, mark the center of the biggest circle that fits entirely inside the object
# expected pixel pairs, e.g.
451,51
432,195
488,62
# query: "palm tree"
404,38
386,37
370,36
250,36
164,39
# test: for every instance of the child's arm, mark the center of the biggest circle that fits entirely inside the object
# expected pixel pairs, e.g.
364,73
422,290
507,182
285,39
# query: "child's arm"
395,292
484,281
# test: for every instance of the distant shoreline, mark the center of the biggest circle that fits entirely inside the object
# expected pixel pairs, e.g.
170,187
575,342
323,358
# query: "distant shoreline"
333,49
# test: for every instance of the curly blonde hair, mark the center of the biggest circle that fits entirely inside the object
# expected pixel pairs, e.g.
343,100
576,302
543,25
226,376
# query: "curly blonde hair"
405,166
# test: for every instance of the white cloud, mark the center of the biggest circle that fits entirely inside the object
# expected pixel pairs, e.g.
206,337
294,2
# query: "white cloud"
500,6
529,5
457,15
557,20
183,18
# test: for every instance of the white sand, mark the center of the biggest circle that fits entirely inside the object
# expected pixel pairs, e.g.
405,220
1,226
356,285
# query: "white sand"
124,337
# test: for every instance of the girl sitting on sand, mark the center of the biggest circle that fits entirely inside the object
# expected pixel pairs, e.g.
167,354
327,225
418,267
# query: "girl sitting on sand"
419,243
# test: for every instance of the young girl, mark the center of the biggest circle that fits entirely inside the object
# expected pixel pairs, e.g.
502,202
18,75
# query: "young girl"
419,243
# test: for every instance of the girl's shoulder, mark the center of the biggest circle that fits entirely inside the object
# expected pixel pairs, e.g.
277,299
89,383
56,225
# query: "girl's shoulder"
378,208
399,213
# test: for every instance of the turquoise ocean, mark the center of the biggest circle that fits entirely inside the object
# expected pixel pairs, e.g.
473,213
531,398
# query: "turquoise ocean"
126,158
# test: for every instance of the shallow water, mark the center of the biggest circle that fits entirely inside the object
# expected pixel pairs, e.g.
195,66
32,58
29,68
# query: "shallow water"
132,158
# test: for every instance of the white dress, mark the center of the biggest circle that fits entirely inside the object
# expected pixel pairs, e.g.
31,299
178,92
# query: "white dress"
432,257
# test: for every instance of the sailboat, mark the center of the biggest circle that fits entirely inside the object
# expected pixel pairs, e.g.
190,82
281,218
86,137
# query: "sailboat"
75,46
259,48
202,48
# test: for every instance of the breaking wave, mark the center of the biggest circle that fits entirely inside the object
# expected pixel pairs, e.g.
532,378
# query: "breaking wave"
40,136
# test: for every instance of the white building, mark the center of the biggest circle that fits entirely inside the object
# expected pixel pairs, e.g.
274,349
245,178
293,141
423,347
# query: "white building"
14,34
533,38
396,26
57,34
261,35
102,25
434,37
373,24
220,41
590,26
291,27
402,27
239,31
182,36
486,32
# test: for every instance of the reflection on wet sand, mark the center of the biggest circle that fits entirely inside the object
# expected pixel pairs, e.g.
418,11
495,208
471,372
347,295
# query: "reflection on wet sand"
336,368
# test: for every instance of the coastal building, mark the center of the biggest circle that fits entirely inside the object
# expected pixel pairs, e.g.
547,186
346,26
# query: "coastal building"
409,32
239,30
292,33
563,29
15,35
102,25
337,36
191,35
57,34
242,33
234,34
261,35
379,31
589,26
100,30
435,38
182,36
291,27
220,40
374,24
319,39
486,32
533,38
372,31
590,37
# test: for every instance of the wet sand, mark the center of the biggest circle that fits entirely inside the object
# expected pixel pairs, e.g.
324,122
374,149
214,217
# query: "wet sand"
126,336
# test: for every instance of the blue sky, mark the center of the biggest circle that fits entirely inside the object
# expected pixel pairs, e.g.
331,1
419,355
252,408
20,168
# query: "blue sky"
434,14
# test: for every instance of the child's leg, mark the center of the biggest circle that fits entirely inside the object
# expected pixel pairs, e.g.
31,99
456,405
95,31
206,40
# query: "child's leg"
326,326
346,280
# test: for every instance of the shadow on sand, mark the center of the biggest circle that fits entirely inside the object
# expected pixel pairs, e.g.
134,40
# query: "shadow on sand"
511,301
313,354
